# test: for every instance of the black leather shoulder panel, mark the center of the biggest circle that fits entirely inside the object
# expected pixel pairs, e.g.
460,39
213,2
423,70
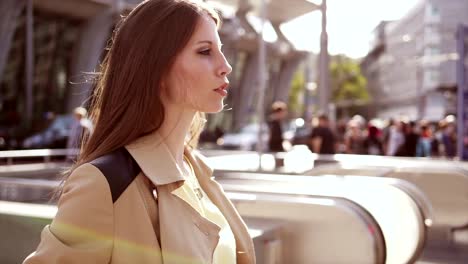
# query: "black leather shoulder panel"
119,168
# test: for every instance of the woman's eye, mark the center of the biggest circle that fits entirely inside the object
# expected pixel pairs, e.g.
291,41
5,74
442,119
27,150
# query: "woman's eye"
205,52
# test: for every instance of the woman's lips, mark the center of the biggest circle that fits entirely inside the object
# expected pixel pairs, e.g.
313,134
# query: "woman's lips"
222,90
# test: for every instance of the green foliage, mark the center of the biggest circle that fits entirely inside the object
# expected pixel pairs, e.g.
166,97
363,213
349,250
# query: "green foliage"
296,92
347,82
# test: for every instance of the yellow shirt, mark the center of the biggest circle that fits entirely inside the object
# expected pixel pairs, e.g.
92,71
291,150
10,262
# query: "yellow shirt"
191,192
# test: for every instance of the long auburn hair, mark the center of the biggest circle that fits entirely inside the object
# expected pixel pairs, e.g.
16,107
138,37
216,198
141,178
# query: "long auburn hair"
126,101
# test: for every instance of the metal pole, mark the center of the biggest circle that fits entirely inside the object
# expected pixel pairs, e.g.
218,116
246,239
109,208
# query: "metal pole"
307,92
324,93
261,83
419,89
29,67
462,89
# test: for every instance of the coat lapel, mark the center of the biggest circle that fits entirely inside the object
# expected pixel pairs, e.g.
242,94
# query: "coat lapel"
244,243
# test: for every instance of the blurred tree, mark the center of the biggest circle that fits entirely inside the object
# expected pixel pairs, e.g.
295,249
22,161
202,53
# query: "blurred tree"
296,93
348,85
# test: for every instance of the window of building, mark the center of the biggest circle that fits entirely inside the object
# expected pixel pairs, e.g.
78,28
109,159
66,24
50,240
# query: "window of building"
432,14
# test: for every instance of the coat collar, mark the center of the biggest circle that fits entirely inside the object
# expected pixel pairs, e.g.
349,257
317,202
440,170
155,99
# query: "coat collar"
157,163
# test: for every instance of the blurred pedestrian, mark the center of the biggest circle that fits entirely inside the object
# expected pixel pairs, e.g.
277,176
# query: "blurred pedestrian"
48,119
386,133
408,148
372,143
275,120
449,140
423,149
354,139
340,136
80,126
437,146
322,139
396,138
140,192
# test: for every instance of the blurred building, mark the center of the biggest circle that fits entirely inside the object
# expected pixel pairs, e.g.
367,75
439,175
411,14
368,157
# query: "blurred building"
240,36
371,67
48,49
411,68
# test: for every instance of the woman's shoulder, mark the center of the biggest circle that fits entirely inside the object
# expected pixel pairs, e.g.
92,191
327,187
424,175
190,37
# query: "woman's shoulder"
116,170
85,178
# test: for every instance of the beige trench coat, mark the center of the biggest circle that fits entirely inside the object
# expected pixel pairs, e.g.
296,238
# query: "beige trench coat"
90,228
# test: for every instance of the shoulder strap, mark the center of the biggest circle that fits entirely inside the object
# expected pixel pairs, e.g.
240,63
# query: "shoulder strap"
119,168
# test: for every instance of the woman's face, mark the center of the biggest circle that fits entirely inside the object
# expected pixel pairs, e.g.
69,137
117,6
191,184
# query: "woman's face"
198,80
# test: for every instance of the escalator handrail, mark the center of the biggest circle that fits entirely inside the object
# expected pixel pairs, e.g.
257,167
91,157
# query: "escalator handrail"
342,203
285,177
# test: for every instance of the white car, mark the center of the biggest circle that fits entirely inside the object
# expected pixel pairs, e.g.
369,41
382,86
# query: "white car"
245,139
54,136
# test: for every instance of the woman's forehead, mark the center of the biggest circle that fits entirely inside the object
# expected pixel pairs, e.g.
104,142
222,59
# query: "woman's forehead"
205,30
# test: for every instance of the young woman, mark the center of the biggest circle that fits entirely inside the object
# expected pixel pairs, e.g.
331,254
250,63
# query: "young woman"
139,192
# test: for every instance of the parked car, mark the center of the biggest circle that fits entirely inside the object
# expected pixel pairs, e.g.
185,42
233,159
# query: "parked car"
302,136
54,136
245,139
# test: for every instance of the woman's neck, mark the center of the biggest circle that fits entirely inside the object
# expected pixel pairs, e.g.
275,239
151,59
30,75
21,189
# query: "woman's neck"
174,131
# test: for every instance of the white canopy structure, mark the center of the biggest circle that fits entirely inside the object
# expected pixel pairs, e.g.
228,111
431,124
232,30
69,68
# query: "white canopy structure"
277,11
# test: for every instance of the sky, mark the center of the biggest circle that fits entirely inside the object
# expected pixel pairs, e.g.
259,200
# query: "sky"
350,25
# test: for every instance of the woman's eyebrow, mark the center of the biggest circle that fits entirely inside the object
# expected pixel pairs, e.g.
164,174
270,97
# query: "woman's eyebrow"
208,42
205,41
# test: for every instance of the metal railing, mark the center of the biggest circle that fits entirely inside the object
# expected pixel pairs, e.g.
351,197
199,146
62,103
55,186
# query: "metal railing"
46,154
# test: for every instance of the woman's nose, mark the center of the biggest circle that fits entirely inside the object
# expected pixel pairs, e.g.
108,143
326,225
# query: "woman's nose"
225,68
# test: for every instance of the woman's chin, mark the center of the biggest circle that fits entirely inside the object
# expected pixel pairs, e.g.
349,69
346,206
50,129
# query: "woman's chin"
214,109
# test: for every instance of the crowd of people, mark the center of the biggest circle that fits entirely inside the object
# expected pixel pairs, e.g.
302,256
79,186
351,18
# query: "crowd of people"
398,137
393,137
